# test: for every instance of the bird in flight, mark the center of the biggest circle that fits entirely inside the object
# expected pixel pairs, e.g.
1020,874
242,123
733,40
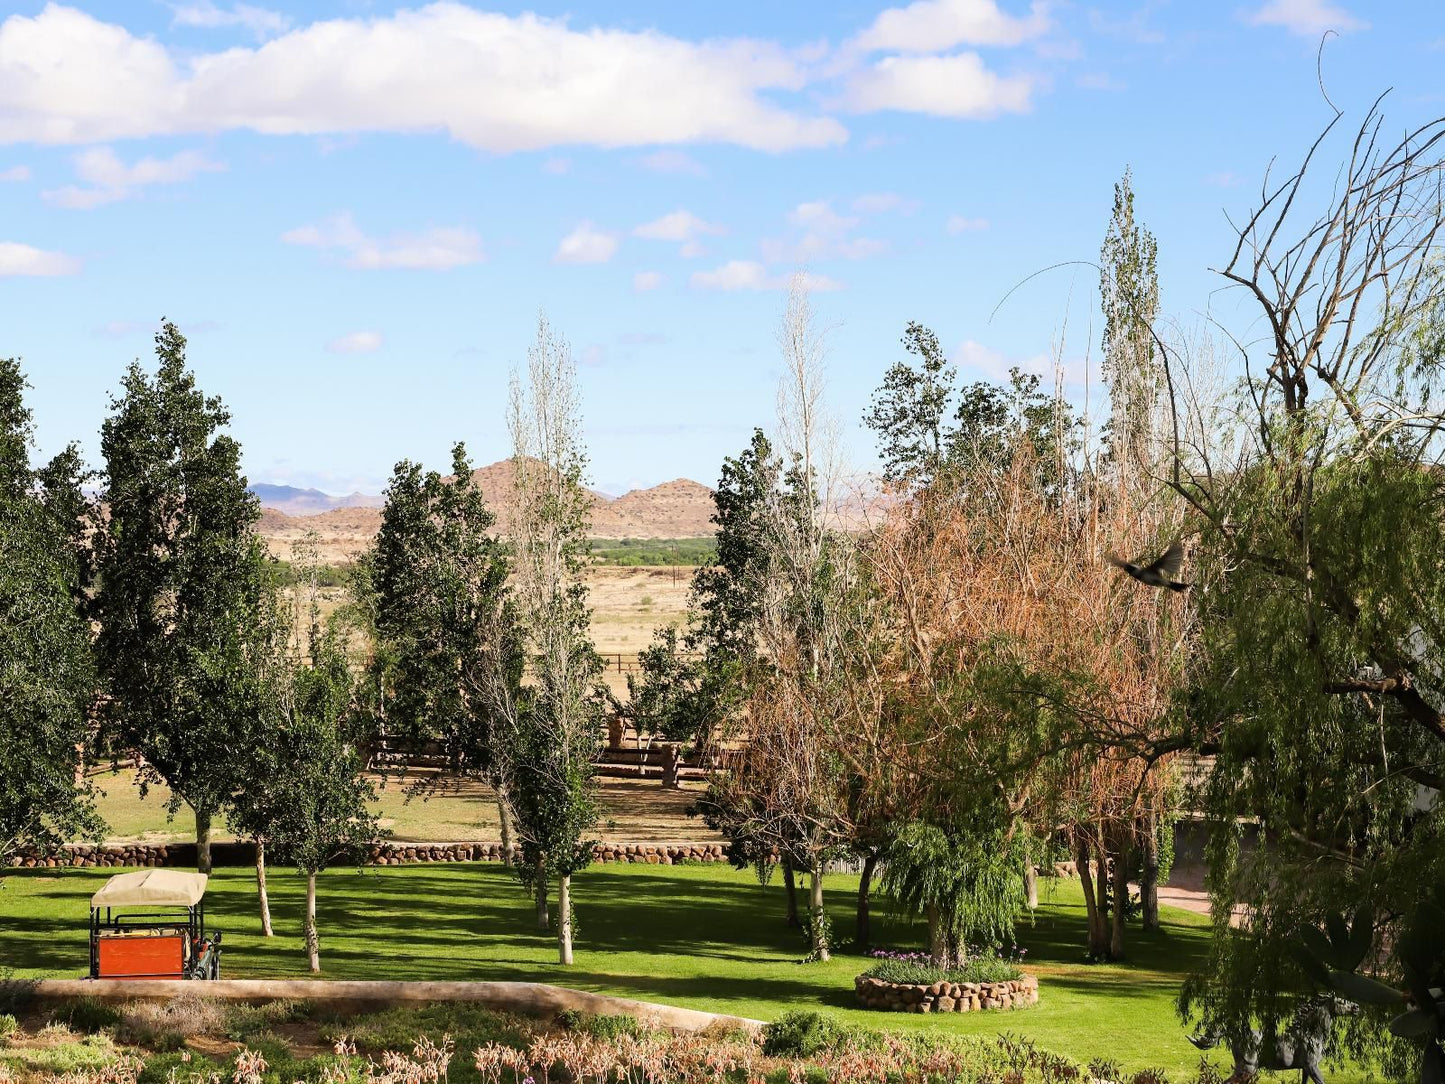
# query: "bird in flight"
1159,574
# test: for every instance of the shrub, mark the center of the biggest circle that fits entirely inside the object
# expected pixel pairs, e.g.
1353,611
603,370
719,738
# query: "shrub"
162,1068
166,1025
86,1014
913,969
802,1034
604,1027
8,1025
243,1021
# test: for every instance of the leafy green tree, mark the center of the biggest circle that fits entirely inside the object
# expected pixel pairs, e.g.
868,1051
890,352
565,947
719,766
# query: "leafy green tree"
306,796
909,411
1129,294
182,589
1323,586
693,684
47,676
450,647
555,735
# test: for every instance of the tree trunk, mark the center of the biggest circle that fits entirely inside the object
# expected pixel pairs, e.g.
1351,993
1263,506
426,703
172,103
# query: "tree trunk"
313,940
1091,905
862,932
264,899
544,922
504,816
937,936
1121,892
671,755
564,919
790,885
1031,886
815,910
1149,883
203,841
1101,888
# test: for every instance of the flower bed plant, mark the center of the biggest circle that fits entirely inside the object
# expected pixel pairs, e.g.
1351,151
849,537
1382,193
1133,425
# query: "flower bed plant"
911,982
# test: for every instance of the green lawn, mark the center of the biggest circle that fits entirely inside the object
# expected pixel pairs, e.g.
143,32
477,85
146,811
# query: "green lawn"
703,936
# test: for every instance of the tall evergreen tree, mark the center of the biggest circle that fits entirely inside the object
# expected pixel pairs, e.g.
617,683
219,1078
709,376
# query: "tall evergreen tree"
446,626
47,677
182,588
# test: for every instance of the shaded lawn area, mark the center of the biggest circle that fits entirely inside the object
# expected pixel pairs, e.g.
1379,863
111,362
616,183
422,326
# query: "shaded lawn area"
702,936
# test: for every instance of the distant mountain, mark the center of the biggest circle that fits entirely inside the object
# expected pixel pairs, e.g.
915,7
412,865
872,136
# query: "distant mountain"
345,525
309,502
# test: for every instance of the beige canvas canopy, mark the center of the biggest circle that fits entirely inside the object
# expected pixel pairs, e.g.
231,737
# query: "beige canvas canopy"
151,888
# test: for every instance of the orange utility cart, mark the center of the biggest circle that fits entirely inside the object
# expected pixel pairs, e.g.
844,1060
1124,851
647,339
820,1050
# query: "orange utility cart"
151,925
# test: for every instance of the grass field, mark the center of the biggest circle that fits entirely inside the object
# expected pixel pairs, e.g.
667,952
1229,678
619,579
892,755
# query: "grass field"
634,811
702,936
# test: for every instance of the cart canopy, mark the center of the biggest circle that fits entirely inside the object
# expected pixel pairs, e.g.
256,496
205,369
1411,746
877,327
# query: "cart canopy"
151,888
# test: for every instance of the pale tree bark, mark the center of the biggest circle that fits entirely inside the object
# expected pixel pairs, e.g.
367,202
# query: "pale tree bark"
1031,886
262,897
203,841
313,939
504,817
564,919
544,921
937,935
1097,942
815,908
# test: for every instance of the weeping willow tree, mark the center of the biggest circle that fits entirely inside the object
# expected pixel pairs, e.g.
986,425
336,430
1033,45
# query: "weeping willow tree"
1323,603
968,883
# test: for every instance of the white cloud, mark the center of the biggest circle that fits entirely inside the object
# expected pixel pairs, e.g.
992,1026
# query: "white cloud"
877,203
1309,18
358,342
206,15
957,224
932,26
109,179
733,275
18,259
15,173
435,249
957,86
676,226
493,81
824,236
646,280
751,275
586,244
1099,81
674,161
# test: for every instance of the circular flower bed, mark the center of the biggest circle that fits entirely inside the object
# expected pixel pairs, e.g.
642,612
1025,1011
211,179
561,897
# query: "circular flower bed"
875,993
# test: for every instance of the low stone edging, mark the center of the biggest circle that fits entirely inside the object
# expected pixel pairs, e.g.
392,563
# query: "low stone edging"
527,998
389,853
946,996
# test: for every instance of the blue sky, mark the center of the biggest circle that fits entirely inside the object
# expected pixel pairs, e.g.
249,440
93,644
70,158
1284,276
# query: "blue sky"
356,210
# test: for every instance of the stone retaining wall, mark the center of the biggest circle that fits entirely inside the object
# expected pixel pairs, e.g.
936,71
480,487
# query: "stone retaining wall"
946,996
390,853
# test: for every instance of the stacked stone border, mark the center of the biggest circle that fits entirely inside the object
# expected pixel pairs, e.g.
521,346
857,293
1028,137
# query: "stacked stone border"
877,994
390,853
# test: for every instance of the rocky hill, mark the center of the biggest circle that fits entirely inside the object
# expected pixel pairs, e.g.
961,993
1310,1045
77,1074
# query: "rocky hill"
678,509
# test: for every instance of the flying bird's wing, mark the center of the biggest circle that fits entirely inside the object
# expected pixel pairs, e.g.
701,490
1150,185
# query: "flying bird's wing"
1168,565
1117,562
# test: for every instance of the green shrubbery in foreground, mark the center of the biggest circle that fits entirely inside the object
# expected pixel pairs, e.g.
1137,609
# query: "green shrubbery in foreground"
466,1043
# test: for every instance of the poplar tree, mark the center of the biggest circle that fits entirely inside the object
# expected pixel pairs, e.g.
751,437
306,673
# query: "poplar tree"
557,732
182,589
47,677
